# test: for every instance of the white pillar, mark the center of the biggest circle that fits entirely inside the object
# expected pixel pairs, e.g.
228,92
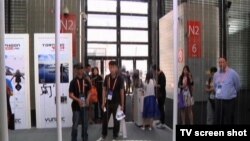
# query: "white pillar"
57,61
83,24
175,46
80,30
4,136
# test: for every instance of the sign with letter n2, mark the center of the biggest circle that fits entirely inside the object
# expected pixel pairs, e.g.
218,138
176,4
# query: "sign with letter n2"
68,25
194,39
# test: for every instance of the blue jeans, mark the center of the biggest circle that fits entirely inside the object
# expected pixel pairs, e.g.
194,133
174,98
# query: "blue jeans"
78,116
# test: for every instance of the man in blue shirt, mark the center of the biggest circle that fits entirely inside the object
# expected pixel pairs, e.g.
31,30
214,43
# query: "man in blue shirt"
226,84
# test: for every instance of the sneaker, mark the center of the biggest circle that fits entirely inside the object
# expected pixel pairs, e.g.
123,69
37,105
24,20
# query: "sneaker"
120,134
161,126
150,129
158,123
124,137
143,128
101,138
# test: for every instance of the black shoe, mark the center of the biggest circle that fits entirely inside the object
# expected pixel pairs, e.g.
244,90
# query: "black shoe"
85,139
115,137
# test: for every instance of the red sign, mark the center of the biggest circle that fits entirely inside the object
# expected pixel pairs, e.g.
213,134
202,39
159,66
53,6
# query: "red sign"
194,39
68,25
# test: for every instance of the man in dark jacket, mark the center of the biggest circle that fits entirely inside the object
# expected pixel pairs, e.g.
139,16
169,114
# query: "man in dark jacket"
160,94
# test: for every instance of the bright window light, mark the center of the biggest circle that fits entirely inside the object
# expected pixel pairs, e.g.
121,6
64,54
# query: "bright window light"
102,5
134,50
134,7
101,49
101,20
134,36
107,35
134,21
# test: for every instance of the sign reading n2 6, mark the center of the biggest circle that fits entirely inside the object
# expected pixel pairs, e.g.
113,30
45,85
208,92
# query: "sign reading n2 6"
194,39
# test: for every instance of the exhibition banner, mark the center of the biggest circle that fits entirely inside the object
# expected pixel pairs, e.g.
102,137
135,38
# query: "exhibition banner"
44,58
17,73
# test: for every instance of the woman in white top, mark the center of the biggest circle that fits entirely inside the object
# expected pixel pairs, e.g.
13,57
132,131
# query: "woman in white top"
150,107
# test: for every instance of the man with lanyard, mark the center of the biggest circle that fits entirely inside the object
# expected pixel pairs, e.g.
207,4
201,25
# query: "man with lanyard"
226,84
113,95
79,93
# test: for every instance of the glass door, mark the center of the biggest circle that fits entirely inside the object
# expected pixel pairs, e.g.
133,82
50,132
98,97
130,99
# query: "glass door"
101,64
142,66
128,65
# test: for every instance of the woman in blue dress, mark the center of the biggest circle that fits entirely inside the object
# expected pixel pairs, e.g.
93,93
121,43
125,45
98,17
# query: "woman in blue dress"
150,107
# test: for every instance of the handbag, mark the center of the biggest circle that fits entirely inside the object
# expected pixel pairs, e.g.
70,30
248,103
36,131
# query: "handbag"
181,100
93,95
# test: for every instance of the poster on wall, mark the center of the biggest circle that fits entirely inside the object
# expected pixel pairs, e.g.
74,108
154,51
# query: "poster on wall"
44,59
17,72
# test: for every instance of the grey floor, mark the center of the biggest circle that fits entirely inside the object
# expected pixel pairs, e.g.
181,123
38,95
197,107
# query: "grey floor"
134,133
94,131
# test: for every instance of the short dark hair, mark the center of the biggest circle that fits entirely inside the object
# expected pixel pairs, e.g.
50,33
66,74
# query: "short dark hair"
113,63
79,66
75,66
154,67
87,65
213,69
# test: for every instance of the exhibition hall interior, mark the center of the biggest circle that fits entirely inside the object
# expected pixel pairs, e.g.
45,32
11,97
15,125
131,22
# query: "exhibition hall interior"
194,51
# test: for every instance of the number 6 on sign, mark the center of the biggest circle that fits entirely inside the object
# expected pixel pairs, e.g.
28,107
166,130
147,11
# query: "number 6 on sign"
194,48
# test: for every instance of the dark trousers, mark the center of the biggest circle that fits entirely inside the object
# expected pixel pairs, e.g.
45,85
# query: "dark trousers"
224,111
96,111
78,116
161,104
111,109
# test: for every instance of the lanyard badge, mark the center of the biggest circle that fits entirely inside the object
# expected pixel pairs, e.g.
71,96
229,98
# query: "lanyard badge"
111,90
218,89
81,93
110,94
221,81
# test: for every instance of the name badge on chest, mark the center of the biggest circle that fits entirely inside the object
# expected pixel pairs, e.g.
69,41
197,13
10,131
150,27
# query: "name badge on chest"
218,89
83,102
110,95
